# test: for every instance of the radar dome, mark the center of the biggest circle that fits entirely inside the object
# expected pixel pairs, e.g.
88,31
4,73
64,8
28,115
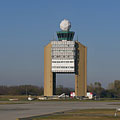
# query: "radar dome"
65,25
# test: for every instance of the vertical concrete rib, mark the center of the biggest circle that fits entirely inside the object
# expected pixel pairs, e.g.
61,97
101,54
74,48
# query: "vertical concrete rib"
48,75
81,70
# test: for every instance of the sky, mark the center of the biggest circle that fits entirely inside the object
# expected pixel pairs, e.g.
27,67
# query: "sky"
26,26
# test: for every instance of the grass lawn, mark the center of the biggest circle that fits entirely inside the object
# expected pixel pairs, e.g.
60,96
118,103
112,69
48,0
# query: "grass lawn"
7,97
89,114
24,98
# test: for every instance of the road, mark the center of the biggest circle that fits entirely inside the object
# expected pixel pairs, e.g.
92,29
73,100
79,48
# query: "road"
13,111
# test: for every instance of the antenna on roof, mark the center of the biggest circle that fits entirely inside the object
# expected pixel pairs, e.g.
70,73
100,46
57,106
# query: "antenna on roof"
77,37
54,38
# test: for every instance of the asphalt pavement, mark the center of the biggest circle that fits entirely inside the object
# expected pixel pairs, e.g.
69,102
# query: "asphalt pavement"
13,111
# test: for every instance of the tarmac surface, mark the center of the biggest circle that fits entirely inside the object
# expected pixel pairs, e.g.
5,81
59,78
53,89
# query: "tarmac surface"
13,111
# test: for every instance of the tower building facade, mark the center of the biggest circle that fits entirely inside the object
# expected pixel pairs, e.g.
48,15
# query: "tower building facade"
65,56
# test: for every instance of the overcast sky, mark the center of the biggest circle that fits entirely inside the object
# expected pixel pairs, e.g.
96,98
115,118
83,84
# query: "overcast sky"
26,26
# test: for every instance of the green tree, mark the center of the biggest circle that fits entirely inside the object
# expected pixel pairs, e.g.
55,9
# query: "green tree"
96,88
60,89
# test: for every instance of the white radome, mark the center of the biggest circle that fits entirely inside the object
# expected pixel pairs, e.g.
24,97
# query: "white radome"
65,25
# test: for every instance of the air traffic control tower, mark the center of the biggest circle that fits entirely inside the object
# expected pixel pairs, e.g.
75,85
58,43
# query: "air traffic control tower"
65,56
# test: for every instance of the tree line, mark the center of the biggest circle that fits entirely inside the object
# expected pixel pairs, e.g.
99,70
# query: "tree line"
112,91
31,90
21,90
